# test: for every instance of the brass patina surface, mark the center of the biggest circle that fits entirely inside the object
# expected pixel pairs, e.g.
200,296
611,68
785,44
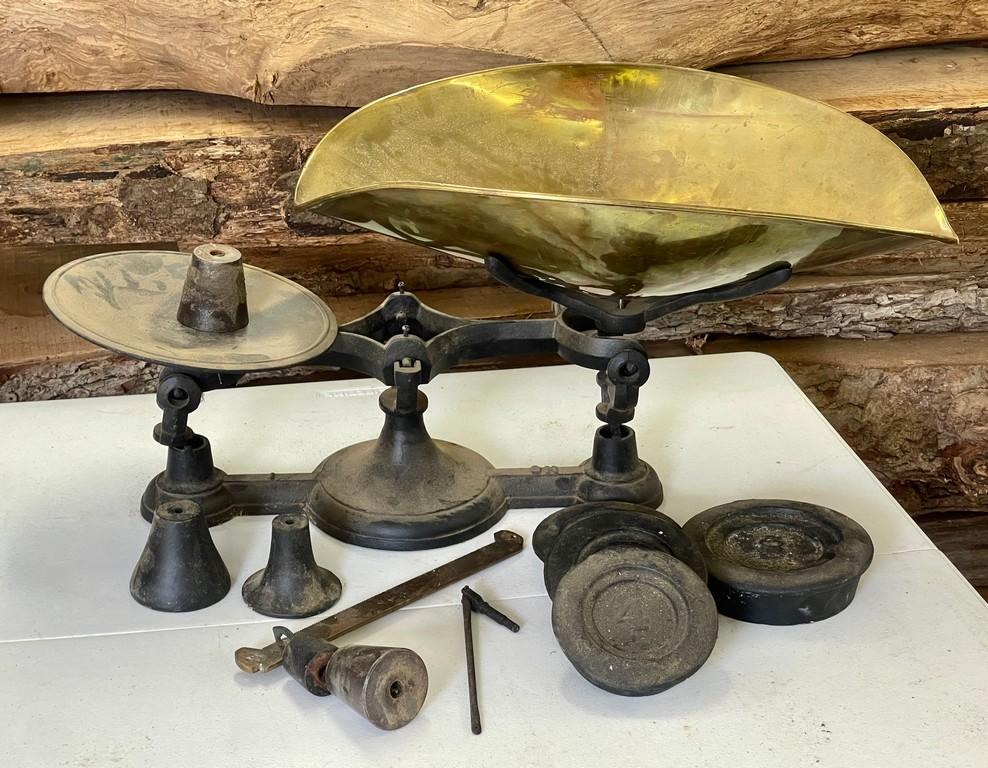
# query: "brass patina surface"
621,179
127,302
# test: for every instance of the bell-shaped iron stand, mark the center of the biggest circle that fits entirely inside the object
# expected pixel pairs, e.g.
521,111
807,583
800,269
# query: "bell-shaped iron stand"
291,585
180,568
406,490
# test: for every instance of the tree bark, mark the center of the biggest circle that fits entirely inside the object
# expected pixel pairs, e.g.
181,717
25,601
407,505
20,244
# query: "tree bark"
351,51
859,307
915,408
148,167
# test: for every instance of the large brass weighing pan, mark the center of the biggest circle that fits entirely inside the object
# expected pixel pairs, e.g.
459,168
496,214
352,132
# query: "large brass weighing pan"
621,179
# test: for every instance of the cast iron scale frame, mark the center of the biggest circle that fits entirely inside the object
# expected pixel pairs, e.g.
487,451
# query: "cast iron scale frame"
406,490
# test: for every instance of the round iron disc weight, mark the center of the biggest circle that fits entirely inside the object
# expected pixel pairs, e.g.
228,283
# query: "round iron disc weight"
598,526
776,561
634,622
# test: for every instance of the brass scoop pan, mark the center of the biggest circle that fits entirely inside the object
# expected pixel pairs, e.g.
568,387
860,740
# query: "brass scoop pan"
624,180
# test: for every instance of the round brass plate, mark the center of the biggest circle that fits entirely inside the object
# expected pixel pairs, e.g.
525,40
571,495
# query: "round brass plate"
127,302
619,179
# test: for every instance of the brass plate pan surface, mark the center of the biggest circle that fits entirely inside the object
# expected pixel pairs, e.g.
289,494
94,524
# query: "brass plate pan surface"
621,179
127,302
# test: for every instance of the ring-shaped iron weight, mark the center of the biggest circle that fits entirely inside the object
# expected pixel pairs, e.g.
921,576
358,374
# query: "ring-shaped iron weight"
775,561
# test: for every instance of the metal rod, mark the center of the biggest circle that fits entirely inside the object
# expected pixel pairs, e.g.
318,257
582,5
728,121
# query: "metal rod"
506,543
471,665
482,606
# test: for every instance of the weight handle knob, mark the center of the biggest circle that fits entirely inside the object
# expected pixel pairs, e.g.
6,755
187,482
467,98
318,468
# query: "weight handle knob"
386,686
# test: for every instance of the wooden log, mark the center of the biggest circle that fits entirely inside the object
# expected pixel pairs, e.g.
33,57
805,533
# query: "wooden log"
863,306
963,537
909,79
53,363
88,374
371,266
306,52
915,293
937,289
177,166
119,167
353,278
915,408
939,292
949,147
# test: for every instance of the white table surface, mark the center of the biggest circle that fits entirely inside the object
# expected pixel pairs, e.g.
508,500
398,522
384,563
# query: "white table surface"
90,678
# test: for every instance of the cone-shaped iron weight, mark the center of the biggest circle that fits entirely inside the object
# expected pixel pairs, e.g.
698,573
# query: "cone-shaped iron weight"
292,585
214,297
180,569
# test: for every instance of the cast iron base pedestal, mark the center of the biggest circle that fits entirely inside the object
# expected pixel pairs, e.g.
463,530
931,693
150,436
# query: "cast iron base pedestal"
405,490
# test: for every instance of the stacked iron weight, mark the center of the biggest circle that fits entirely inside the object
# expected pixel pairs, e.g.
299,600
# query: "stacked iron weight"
630,604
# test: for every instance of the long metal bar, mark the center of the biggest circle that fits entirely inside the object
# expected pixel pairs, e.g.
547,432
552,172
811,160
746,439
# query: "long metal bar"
471,663
506,543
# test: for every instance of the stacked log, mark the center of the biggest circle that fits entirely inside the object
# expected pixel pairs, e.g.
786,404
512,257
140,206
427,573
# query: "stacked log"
95,155
352,51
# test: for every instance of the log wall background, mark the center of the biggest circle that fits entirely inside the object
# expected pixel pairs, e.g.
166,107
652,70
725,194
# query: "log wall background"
190,122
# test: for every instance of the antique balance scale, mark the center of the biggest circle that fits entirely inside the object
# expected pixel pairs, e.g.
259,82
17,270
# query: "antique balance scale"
619,192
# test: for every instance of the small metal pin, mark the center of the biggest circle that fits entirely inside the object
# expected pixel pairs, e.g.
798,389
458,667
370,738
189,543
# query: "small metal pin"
471,665
406,329
471,601
401,286
482,606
